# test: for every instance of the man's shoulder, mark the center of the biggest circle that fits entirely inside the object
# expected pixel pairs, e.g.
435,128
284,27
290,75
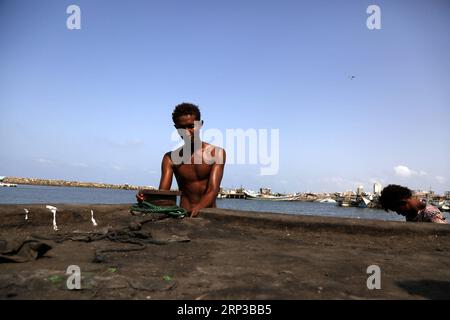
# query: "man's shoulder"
216,152
168,155
209,146
432,214
432,209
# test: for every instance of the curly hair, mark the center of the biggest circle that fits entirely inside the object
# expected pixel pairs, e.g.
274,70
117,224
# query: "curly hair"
393,195
184,109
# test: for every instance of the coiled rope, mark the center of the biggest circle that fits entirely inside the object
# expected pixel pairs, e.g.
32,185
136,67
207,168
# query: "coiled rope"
148,208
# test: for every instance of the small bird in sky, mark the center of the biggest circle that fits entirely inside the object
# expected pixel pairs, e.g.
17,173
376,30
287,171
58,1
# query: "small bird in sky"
352,77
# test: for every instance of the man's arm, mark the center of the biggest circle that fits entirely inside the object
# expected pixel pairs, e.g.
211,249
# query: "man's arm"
166,173
213,186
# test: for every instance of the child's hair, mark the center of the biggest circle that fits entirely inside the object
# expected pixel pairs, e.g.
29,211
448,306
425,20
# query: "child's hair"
184,109
393,195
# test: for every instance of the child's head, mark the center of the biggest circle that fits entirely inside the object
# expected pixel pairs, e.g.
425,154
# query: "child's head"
398,199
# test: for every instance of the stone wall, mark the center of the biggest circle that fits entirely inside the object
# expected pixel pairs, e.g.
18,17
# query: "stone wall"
64,183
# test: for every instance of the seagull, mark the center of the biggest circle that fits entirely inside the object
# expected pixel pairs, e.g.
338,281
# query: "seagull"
92,218
53,210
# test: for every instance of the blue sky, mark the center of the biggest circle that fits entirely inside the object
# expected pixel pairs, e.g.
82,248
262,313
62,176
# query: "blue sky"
95,104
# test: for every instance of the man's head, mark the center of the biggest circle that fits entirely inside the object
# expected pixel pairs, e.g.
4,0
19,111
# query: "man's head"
398,199
184,117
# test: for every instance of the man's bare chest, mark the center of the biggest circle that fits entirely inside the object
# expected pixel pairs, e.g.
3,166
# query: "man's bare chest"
192,172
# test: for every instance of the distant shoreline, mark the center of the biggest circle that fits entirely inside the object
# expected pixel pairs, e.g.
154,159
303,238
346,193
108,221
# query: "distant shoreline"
64,183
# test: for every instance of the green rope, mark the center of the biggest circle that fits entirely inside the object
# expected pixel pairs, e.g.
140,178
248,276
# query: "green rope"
146,207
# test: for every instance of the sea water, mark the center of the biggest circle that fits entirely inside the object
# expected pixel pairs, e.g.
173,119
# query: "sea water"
27,194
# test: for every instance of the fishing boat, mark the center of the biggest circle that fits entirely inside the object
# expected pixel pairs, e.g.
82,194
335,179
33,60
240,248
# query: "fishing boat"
444,206
344,203
363,203
351,201
251,195
276,198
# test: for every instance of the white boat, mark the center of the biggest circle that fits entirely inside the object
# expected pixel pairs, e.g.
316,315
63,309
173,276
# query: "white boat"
251,195
344,202
2,184
443,205
276,198
327,200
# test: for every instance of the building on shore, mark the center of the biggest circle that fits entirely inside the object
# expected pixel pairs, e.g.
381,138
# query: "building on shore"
360,190
422,194
377,187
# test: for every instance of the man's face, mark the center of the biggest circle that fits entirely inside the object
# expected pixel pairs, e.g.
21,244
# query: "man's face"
187,126
405,208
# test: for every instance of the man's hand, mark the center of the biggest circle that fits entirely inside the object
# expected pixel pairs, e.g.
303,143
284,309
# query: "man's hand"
140,197
195,211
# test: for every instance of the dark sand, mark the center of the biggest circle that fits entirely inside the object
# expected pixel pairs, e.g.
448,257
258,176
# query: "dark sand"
231,255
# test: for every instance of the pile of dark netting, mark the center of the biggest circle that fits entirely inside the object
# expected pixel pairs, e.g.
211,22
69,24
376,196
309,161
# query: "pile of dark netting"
32,248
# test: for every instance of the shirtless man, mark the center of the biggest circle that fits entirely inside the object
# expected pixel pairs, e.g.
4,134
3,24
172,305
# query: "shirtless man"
198,166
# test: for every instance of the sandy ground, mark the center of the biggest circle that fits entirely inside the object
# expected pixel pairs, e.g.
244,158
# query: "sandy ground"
230,255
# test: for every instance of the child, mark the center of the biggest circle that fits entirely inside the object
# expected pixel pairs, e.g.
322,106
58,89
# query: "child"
400,200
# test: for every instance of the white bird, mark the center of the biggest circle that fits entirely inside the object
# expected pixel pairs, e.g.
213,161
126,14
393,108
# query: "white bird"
92,218
26,213
53,210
